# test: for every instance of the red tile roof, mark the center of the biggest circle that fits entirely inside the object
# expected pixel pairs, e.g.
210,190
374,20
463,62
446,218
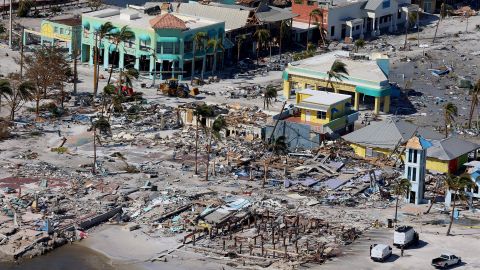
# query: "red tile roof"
167,21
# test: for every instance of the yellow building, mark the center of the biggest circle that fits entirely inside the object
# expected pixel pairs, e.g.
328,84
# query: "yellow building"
367,78
380,139
325,112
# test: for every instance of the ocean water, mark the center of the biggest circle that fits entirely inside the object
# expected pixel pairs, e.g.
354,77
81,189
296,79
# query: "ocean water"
68,257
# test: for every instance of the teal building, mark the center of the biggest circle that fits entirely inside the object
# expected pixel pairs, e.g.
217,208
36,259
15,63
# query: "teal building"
163,42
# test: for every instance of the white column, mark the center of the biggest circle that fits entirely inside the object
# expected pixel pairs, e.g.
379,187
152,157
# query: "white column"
378,27
361,30
351,31
373,26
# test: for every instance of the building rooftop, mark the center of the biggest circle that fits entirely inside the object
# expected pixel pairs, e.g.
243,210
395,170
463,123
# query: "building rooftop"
137,18
319,65
386,134
323,97
69,21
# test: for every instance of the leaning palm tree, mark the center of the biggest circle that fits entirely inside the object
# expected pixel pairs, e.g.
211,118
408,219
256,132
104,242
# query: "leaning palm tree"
277,147
473,105
240,40
124,35
338,70
100,34
5,90
457,186
443,14
435,194
400,188
262,36
313,14
359,43
214,132
16,93
200,112
450,111
215,44
198,45
269,94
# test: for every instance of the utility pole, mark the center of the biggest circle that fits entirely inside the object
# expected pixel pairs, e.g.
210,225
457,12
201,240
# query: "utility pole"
11,27
75,75
95,62
21,53
94,150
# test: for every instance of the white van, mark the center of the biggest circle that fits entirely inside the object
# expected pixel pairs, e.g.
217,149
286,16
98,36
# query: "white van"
405,236
380,252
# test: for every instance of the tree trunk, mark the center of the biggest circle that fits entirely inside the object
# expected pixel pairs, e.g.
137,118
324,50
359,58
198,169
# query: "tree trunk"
406,33
214,62
396,209
37,106
238,51
95,74
258,50
75,72
435,194
196,147
62,93
193,65
472,108
12,113
308,30
111,67
453,211
94,169
209,146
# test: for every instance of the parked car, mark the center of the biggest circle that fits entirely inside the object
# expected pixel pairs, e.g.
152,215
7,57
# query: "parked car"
405,236
380,252
446,260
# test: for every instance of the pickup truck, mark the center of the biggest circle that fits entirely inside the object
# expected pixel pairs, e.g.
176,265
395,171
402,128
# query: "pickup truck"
446,260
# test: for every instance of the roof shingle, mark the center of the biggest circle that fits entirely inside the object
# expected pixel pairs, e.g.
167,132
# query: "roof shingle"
167,21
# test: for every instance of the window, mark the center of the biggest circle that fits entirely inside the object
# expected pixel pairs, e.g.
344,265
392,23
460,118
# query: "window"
369,152
310,2
55,29
130,43
321,115
357,27
399,15
61,31
386,4
415,156
475,189
168,47
332,31
410,153
144,45
409,173
414,174
86,33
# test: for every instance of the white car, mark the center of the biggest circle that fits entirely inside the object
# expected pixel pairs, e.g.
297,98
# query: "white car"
380,252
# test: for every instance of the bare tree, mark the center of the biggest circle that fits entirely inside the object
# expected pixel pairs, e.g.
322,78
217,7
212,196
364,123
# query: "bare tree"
16,93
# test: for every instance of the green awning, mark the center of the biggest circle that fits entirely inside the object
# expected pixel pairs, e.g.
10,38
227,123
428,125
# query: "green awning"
372,91
285,75
86,24
144,37
167,39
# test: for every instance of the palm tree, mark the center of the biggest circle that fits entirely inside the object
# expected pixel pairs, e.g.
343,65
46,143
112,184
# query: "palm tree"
435,194
214,131
240,40
215,44
457,185
100,34
338,70
400,188
284,31
450,111
411,18
127,77
359,43
277,147
313,14
5,90
269,94
16,93
198,44
125,34
201,111
443,14
475,92
262,36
